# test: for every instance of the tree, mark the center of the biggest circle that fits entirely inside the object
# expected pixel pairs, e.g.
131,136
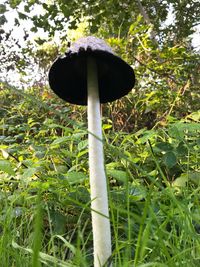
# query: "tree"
165,63
115,15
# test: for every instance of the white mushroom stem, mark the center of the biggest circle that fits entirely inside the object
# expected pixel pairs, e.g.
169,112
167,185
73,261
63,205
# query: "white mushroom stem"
98,184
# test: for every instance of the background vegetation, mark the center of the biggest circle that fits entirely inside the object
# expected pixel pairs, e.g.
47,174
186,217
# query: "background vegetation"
152,137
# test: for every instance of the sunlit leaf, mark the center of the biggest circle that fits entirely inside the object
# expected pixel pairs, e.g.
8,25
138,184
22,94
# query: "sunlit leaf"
60,140
82,145
121,176
75,177
4,153
29,172
180,181
6,166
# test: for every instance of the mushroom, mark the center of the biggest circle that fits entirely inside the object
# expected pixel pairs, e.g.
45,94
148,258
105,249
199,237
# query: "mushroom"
90,74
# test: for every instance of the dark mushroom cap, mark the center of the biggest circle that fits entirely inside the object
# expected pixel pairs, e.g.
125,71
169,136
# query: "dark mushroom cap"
68,74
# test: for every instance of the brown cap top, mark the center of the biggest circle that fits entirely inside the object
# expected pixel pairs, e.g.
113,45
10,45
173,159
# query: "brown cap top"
68,74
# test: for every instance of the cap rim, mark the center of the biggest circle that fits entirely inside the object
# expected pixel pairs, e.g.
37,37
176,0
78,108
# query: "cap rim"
68,76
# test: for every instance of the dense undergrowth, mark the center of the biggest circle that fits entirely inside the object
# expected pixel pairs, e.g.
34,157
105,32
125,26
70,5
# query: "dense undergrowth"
153,176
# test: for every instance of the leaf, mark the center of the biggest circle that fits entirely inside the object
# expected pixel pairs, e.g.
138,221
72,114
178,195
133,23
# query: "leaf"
67,244
82,145
81,153
133,29
54,125
22,15
180,181
29,173
194,177
60,140
2,8
146,136
180,129
75,177
39,154
45,258
5,154
137,193
2,20
61,168
164,146
194,116
5,166
121,176
175,132
106,126
182,149
58,221
190,127
169,159
78,136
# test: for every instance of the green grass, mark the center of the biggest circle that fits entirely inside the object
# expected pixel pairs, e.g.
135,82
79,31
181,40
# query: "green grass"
161,229
153,178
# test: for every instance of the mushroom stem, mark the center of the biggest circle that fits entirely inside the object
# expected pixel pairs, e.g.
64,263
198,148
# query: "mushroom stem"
98,184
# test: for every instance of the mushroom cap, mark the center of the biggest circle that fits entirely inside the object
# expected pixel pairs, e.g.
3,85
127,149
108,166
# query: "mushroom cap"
68,74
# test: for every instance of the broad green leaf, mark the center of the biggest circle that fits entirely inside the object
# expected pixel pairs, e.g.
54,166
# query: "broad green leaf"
180,181
194,177
164,146
169,159
61,140
145,137
75,177
190,127
83,152
6,166
58,221
180,129
82,145
176,132
121,176
182,149
137,193
68,153
39,154
195,116
106,126
61,168
78,136
29,173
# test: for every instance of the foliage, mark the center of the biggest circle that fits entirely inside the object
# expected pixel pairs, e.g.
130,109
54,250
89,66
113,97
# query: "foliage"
152,145
114,15
133,29
154,181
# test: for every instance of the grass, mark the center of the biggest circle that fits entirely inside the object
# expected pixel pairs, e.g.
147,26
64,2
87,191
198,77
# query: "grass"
153,178
159,230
